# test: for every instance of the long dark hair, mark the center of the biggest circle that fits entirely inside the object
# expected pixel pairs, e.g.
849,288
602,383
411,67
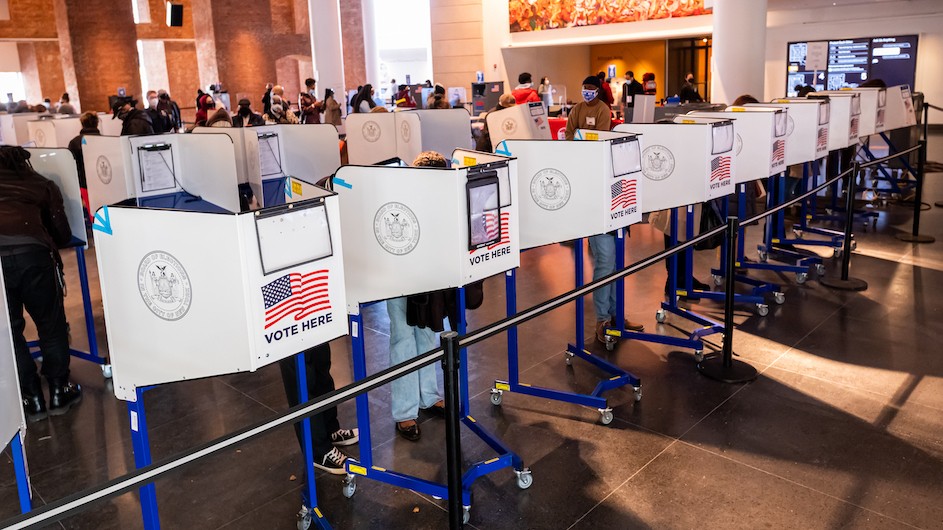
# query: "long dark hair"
15,158
364,95
328,93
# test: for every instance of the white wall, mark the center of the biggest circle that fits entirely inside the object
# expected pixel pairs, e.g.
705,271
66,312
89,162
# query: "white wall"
922,17
9,57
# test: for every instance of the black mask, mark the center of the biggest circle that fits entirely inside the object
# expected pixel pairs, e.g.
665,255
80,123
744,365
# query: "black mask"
691,80
244,112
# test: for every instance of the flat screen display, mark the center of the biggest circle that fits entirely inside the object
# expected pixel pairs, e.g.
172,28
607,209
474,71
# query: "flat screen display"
851,62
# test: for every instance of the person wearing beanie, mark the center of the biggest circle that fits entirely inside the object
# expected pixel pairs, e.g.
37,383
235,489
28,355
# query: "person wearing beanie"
593,113
525,92
245,117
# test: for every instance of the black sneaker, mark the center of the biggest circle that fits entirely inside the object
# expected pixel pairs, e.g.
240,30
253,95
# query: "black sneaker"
63,396
332,462
343,437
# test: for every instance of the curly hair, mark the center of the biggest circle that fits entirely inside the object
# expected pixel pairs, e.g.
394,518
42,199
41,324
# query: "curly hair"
430,159
14,158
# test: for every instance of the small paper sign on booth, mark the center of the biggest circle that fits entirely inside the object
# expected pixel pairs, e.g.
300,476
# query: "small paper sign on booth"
685,163
760,147
414,230
900,108
272,286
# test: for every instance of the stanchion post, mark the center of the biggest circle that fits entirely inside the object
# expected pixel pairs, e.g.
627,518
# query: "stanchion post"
844,282
914,236
453,438
725,368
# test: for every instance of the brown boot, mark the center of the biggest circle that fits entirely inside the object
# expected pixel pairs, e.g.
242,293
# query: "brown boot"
601,331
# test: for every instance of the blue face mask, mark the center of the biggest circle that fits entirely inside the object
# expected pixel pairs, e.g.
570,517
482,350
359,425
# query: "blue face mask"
589,95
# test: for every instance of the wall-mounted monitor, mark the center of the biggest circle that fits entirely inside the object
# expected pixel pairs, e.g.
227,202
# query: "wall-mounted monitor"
851,62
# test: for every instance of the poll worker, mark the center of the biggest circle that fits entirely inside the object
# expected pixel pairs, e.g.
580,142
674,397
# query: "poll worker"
593,113
689,92
33,225
524,92
630,89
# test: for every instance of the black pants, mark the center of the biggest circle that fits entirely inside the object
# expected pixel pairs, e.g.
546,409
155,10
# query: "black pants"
320,382
32,282
679,271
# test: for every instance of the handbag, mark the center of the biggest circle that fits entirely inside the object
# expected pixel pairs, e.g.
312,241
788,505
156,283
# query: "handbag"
710,219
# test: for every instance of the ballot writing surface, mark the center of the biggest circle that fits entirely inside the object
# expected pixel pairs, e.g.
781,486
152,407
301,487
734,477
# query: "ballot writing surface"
270,159
626,157
157,168
293,236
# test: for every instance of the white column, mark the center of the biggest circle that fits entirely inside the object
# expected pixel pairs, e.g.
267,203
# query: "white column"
327,50
739,49
371,55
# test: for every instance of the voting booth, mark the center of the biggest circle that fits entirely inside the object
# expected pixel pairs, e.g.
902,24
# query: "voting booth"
378,136
684,163
413,230
643,111
806,128
14,129
58,165
520,122
246,155
573,189
844,118
12,421
272,286
873,110
760,146
178,171
899,112
443,130
53,132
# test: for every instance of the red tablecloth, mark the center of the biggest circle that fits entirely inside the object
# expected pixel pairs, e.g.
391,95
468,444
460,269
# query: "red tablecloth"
558,127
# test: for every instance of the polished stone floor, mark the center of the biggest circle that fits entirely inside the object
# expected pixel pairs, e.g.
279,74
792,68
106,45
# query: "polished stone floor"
843,427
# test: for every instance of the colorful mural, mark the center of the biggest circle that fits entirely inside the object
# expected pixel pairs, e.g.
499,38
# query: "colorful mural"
536,15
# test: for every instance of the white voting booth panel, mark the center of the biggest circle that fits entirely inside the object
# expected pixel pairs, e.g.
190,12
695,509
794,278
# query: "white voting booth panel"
684,163
58,165
761,141
644,109
273,286
806,129
246,154
14,129
574,189
11,403
109,125
845,118
873,109
378,136
900,108
444,130
53,132
413,230
306,152
123,167
520,122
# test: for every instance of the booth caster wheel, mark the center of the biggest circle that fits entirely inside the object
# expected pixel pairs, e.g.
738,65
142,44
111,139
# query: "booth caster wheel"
763,255
637,393
660,316
610,344
779,298
801,277
524,478
698,355
718,279
106,371
762,309
350,486
496,397
605,416
820,269
466,514
304,518
568,358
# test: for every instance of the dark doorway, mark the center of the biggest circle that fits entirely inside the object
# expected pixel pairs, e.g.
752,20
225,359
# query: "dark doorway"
691,54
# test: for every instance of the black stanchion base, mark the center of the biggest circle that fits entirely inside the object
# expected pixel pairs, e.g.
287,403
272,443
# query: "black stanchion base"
737,372
851,284
919,238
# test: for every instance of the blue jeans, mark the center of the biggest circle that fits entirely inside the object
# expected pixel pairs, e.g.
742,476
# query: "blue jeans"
603,249
418,389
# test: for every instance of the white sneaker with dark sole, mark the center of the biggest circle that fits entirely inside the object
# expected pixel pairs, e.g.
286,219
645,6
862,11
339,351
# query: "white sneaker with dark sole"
332,462
345,437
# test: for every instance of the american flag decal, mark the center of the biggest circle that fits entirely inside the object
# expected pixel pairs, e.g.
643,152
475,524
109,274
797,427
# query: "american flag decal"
296,294
779,153
854,129
720,168
505,233
492,226
821,139
623,194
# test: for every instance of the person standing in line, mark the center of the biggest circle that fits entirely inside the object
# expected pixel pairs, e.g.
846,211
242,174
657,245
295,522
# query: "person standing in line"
64,106
134,121
524,92
689,92
89,122
245,117
33,226
267,99
363,101
171,109
605,93
332,109
630,89
592,113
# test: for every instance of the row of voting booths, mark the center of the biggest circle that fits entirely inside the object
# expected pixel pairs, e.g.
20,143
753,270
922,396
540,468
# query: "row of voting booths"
49,130
377,137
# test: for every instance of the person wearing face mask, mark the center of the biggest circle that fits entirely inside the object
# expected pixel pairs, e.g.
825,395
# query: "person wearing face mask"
160,120
689,90
134,120
171,109
630,89
245,117
593,113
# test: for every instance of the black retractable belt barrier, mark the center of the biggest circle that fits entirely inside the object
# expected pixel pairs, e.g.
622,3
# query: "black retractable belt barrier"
915,236
844,282
453,435
725,368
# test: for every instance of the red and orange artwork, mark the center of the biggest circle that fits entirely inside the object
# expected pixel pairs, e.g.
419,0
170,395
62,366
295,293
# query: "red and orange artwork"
536,15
